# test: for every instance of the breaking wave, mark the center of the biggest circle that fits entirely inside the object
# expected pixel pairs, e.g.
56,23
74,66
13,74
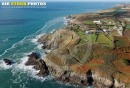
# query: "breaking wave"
29,43
18,52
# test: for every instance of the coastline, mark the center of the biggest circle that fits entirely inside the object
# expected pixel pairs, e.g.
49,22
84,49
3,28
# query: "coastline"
19,75
74,59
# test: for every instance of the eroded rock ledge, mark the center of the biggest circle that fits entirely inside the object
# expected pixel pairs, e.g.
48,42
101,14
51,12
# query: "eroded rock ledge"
38,64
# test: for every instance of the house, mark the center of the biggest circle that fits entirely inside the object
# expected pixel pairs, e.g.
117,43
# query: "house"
90,32
87,32
97,22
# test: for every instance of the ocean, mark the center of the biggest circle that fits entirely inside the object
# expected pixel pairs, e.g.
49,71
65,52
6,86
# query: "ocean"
19,30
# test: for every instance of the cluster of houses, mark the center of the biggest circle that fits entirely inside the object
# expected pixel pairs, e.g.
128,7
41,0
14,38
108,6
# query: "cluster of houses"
114,27
124,6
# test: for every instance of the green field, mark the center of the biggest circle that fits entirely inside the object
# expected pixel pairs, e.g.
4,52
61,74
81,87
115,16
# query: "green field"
89,22
102,39
91,37
128,27
115,12
82,36
105,40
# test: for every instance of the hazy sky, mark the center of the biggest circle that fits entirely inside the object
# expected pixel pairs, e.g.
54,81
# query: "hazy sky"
72,0
87,0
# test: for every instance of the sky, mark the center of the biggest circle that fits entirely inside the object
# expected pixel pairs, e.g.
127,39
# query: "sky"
93,0
87,0
74,0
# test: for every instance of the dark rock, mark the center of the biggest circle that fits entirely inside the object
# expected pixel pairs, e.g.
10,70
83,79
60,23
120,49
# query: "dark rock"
89,77
65,76
82,81
8,62
38,64
35,55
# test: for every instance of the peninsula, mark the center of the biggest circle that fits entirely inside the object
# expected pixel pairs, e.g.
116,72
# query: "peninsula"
92,50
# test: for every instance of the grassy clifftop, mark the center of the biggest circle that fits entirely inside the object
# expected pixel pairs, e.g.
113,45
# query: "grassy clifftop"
96,43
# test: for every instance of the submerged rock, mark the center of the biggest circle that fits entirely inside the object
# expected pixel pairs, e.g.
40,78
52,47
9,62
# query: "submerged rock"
8,62
39,64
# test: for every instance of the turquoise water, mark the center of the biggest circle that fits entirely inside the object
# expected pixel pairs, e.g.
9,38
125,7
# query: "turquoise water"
19,30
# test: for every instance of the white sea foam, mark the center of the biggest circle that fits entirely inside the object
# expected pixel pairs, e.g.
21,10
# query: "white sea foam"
39,32
39,46
34,40
53,31
29,70
21,42
21,67
28,53
4,66
66,21
39,36
49,24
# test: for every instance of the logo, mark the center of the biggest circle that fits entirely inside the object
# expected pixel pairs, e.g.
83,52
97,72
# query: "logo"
23,4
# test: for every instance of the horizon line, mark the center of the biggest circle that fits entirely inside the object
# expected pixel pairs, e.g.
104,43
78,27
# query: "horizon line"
63,1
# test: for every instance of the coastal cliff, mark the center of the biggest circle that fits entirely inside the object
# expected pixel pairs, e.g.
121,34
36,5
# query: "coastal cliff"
93,50
66,65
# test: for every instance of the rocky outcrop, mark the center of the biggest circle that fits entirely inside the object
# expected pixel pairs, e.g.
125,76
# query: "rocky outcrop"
39,64
8,62
62,38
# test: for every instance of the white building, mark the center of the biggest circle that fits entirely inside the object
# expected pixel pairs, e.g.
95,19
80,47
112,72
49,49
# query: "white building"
97,22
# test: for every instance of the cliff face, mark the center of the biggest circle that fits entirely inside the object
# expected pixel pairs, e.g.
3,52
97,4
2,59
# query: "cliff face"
63,45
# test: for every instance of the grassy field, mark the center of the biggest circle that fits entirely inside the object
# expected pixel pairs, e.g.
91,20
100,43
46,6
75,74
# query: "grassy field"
105,40
89,22
128,27
91,37
120,11
102,39
116,12
82,36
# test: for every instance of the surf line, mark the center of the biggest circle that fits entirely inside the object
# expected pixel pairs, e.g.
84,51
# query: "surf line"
21,41
37,32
